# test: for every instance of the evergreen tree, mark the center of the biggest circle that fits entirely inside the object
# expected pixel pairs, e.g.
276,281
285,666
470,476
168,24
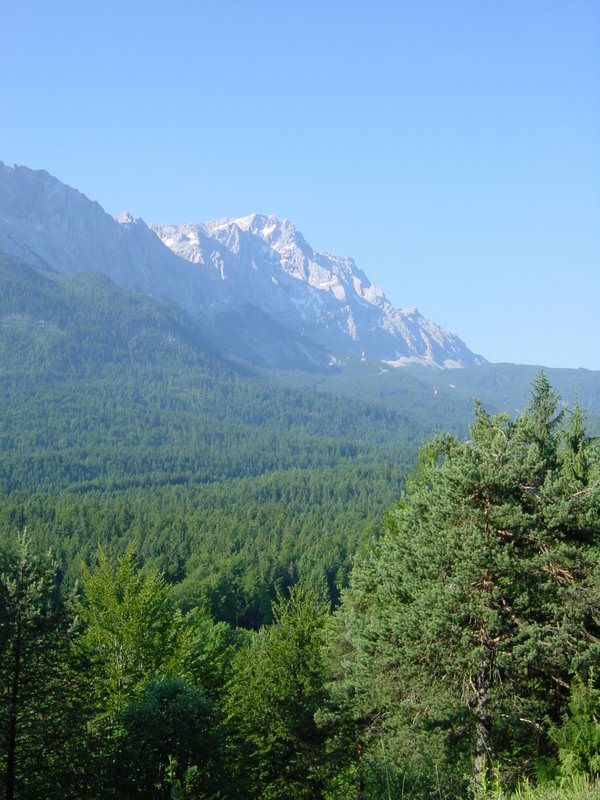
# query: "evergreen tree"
460,632
276,746
42,746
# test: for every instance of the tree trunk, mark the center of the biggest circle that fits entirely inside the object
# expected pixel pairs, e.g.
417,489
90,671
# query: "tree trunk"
483,716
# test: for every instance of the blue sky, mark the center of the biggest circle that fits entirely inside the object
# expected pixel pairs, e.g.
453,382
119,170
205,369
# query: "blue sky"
452,148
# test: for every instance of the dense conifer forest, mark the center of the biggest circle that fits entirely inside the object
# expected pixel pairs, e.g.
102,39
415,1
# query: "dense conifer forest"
219,584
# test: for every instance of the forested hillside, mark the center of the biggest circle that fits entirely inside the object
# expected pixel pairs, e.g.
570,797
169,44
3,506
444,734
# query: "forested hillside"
447,396
102,386
230,609
120,423
461,659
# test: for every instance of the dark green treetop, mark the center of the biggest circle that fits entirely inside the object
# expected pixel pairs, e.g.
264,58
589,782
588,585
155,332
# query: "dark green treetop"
461,630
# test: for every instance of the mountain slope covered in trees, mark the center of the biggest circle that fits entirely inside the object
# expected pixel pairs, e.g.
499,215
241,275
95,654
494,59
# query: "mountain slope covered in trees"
102,385
462,658
122,422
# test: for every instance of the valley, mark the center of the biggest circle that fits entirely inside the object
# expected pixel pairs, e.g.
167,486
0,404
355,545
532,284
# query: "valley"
254,506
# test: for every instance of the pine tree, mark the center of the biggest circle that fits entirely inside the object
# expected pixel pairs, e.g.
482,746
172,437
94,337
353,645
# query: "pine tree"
461,630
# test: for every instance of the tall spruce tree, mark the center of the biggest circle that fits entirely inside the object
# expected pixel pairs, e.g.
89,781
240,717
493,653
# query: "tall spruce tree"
42,752
460,632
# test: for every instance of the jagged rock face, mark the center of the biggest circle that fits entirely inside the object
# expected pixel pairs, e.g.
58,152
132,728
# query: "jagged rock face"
254,282
326,298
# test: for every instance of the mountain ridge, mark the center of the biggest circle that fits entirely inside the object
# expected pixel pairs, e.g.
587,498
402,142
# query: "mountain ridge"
254,281
325,297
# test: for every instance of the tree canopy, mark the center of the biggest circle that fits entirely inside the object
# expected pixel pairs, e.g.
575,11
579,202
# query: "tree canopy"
462,629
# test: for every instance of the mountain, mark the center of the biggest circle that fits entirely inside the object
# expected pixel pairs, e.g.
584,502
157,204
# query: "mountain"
264,261
259,289
103,386
50,225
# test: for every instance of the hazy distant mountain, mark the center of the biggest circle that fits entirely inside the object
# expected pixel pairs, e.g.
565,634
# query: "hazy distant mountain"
259,288
266,261
48,224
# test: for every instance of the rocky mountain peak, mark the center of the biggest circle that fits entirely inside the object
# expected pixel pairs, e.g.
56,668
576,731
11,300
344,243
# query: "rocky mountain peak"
267,262
267,294
125,218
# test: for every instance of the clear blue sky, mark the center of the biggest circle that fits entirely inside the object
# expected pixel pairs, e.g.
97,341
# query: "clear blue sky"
452,148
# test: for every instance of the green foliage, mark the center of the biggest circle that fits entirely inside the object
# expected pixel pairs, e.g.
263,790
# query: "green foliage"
461,629
277,687
206,651
130,632
42,696
226,545
171,730
180,788
576,788
578,737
